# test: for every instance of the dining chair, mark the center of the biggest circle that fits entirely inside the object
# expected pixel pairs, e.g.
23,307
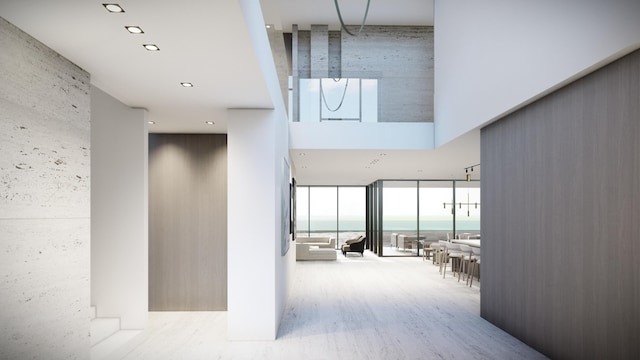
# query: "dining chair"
427,249
453,252
442,252
465,261
437,252
475,260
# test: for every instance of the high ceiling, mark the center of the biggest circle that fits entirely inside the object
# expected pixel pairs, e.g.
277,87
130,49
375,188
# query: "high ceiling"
284,13
206,42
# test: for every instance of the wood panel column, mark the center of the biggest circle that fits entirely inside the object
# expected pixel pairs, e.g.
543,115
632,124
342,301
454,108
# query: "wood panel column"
187,222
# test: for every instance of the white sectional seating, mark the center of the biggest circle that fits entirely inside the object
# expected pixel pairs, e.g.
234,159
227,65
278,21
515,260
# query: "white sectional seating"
319,241
313,252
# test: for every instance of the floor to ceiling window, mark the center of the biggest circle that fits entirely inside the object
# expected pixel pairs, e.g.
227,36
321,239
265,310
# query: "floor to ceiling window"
413,213
400,218
323,210
302,210
436,217
352,212
467,209
333,211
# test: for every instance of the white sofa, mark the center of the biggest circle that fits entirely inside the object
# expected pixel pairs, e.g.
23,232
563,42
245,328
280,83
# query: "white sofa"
312,252
319,241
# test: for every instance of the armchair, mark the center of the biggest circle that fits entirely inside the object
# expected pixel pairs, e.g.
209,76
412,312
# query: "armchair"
354,245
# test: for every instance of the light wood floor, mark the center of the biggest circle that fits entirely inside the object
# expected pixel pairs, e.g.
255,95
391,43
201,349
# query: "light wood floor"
353,308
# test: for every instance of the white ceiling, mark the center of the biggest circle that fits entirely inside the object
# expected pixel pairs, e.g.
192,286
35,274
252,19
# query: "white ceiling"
207,43
201,41
359,167
284,13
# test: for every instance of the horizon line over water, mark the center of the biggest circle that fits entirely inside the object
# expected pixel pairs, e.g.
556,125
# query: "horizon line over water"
389,225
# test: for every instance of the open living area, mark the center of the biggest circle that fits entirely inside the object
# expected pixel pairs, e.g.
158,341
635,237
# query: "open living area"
352,308
287,179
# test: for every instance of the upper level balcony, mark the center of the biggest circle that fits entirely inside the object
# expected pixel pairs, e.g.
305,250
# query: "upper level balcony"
327,99
328,113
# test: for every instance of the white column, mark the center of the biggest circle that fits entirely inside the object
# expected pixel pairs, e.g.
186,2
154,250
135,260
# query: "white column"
119,213
259,277
253,212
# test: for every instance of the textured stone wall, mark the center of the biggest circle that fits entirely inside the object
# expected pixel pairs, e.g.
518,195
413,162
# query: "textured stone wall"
44,201
304,54
400,57
335,55
319,51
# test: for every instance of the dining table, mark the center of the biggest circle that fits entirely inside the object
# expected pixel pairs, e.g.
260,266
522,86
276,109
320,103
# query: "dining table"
470,242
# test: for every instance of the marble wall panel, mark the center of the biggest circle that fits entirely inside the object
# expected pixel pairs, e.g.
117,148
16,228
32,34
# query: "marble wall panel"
44,201
44,130
44,282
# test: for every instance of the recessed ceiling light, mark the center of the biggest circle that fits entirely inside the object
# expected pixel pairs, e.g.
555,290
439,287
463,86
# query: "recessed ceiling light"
268,26
303,154
151,122
186,84
134,29
151,47
113,8
209,122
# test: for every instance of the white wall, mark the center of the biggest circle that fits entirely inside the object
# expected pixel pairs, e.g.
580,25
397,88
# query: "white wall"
252,227
44,201
493,56
259,278
356,135
119,223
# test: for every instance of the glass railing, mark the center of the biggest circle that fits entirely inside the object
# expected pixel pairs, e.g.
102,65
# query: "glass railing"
328,99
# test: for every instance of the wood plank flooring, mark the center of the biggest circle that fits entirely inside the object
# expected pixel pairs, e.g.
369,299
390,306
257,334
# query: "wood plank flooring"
353,308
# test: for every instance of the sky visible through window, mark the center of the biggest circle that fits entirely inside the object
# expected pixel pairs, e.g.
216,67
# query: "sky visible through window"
344,208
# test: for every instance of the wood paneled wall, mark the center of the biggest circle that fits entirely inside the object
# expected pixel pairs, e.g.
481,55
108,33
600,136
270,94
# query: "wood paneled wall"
187,222
561,218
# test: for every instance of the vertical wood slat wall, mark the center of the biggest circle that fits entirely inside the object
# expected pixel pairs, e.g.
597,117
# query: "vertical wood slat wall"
187,222
561,215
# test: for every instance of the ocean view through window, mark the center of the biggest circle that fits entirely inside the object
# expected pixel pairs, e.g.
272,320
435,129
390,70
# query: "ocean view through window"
332,211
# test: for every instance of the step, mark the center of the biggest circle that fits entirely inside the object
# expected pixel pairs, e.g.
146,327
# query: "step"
117,345
102,328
